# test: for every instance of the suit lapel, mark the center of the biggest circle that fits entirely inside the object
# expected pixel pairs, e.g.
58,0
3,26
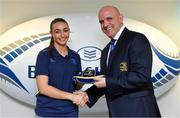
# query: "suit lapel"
104,59
118,45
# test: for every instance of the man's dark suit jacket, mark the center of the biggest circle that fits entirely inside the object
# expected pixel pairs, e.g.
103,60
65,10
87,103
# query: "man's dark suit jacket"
129,89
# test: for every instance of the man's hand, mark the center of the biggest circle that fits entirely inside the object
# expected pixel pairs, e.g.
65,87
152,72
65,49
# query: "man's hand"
100,81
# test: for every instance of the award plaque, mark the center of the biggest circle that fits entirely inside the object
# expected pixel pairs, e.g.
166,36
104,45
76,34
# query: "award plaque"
86,76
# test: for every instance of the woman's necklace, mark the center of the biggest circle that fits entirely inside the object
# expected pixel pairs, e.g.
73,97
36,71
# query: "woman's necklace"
63,52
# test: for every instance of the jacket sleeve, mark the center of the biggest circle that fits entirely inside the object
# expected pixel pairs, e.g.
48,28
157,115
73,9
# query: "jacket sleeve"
138,75
94,94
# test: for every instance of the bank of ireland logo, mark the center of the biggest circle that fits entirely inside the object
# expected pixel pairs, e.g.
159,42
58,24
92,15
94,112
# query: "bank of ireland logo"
89,53
10,53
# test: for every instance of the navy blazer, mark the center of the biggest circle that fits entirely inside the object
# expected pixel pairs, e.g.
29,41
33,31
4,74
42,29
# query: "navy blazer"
129,90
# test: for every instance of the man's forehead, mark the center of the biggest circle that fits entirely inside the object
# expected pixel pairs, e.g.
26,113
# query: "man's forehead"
106,14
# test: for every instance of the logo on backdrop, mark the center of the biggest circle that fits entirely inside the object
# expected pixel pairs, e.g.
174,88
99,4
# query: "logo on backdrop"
89,53
19,49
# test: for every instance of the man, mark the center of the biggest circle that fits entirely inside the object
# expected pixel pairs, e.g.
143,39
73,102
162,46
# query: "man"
126,64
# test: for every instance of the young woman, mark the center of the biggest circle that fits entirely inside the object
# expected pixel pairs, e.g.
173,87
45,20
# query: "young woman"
55,67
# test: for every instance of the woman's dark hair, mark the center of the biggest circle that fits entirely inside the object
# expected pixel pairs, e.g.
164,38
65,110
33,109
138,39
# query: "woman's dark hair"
52,40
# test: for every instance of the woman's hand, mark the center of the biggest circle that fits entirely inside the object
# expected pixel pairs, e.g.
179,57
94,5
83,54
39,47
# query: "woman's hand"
80,98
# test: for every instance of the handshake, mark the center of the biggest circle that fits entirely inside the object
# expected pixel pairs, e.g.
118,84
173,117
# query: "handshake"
80,98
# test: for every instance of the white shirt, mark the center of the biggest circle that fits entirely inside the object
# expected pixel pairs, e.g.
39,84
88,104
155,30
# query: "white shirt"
116,38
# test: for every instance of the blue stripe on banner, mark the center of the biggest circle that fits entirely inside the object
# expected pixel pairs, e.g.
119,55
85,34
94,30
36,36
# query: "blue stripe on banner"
172,70
36,41
45,38
13,54
30,44
24,47
8,58
1,61
158,76
19,51
163,72
6,71
153,79
171,62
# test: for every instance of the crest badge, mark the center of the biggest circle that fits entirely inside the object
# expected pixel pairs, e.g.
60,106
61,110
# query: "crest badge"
123,66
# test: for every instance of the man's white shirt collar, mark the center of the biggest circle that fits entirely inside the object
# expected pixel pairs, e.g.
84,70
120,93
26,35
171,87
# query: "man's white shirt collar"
119,33
116,38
